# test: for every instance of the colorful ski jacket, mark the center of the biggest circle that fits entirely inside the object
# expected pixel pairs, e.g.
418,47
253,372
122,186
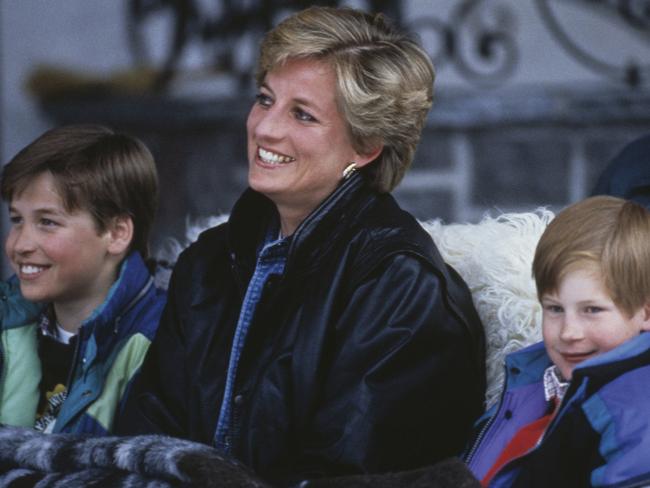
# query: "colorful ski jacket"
600,435
110,348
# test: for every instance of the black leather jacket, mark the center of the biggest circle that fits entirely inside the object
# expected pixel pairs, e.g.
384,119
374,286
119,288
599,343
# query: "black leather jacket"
366,355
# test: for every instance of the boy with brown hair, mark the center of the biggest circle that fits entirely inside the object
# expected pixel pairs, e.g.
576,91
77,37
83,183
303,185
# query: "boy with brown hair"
574,411
82,200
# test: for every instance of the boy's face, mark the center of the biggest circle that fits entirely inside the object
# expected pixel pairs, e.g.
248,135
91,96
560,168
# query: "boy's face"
581,321
59,256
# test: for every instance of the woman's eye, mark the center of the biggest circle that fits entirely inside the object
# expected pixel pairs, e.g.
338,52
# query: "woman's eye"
304,116
15,219
263,100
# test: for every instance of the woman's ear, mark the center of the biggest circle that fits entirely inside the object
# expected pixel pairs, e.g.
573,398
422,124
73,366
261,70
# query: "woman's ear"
366,158
120,234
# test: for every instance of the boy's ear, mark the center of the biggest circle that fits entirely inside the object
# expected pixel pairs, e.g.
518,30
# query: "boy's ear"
645,317
120,234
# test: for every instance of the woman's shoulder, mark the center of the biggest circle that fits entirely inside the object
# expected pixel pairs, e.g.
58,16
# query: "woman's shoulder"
188,260
388,230
204,243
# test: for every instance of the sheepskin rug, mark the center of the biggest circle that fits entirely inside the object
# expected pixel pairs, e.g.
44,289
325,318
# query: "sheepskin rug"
494,257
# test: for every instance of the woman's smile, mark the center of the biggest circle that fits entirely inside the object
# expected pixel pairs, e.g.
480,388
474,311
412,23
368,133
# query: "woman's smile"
273,158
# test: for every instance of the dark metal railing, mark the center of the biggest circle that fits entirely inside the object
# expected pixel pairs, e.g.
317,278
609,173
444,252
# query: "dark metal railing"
477,38
633,14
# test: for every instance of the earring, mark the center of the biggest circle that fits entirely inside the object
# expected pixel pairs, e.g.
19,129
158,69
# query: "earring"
349,170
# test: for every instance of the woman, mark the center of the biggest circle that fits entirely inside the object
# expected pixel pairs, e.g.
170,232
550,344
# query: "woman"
318,332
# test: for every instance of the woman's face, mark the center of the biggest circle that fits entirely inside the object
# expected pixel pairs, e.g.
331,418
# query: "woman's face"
298,142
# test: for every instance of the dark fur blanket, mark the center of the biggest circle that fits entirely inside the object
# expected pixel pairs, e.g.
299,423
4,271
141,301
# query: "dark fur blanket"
29,458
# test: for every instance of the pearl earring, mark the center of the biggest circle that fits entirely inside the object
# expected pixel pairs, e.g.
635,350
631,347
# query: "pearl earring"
349,170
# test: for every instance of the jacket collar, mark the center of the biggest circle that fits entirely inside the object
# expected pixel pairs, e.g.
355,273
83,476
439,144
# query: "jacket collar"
531,362
133,282
253,213
527,365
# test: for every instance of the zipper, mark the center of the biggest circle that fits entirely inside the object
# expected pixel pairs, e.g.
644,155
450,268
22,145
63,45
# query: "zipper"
143,291
490,421
479,438
75,356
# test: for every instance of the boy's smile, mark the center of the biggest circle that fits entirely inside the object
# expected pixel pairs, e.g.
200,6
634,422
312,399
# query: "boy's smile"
58,256
580,320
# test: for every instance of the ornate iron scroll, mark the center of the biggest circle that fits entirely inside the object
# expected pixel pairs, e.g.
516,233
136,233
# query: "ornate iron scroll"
478,38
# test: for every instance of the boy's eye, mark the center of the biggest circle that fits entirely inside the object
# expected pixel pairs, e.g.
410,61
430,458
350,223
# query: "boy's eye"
553,308
263,100
304,116
593,309
47,222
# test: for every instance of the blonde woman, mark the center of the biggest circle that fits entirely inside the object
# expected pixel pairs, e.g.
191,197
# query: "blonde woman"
318,332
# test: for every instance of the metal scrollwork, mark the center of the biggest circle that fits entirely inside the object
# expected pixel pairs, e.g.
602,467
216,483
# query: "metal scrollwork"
483,50
217,26
478,38
634,14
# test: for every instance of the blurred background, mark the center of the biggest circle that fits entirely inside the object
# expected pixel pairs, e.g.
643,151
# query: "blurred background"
533,97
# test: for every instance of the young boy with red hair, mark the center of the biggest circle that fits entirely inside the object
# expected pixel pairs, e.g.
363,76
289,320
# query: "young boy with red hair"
574,411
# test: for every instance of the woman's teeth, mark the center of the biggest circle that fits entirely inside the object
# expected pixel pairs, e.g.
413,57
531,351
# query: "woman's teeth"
273,158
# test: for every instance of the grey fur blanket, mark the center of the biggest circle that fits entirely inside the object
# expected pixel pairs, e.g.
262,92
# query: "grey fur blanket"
32,459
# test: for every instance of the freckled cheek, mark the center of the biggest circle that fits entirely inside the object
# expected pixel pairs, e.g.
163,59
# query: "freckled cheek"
548,330
552,337
609,339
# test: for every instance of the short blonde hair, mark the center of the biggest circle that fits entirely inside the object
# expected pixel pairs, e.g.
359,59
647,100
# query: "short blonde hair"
607,234
385,80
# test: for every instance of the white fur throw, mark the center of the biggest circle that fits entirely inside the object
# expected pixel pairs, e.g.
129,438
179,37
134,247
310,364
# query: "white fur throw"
493,256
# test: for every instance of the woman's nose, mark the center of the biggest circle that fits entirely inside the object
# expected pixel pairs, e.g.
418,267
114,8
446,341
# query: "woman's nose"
268,124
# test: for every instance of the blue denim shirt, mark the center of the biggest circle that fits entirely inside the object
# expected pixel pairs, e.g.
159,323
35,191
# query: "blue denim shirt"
271,260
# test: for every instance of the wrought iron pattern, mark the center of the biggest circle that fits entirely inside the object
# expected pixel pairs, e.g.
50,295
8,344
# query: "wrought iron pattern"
634,14
478,38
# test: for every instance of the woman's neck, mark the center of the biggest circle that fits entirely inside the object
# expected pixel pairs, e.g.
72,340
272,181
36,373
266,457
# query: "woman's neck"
290,219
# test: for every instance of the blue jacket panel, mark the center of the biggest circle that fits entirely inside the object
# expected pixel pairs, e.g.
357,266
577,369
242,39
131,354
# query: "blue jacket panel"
15,311
600,435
